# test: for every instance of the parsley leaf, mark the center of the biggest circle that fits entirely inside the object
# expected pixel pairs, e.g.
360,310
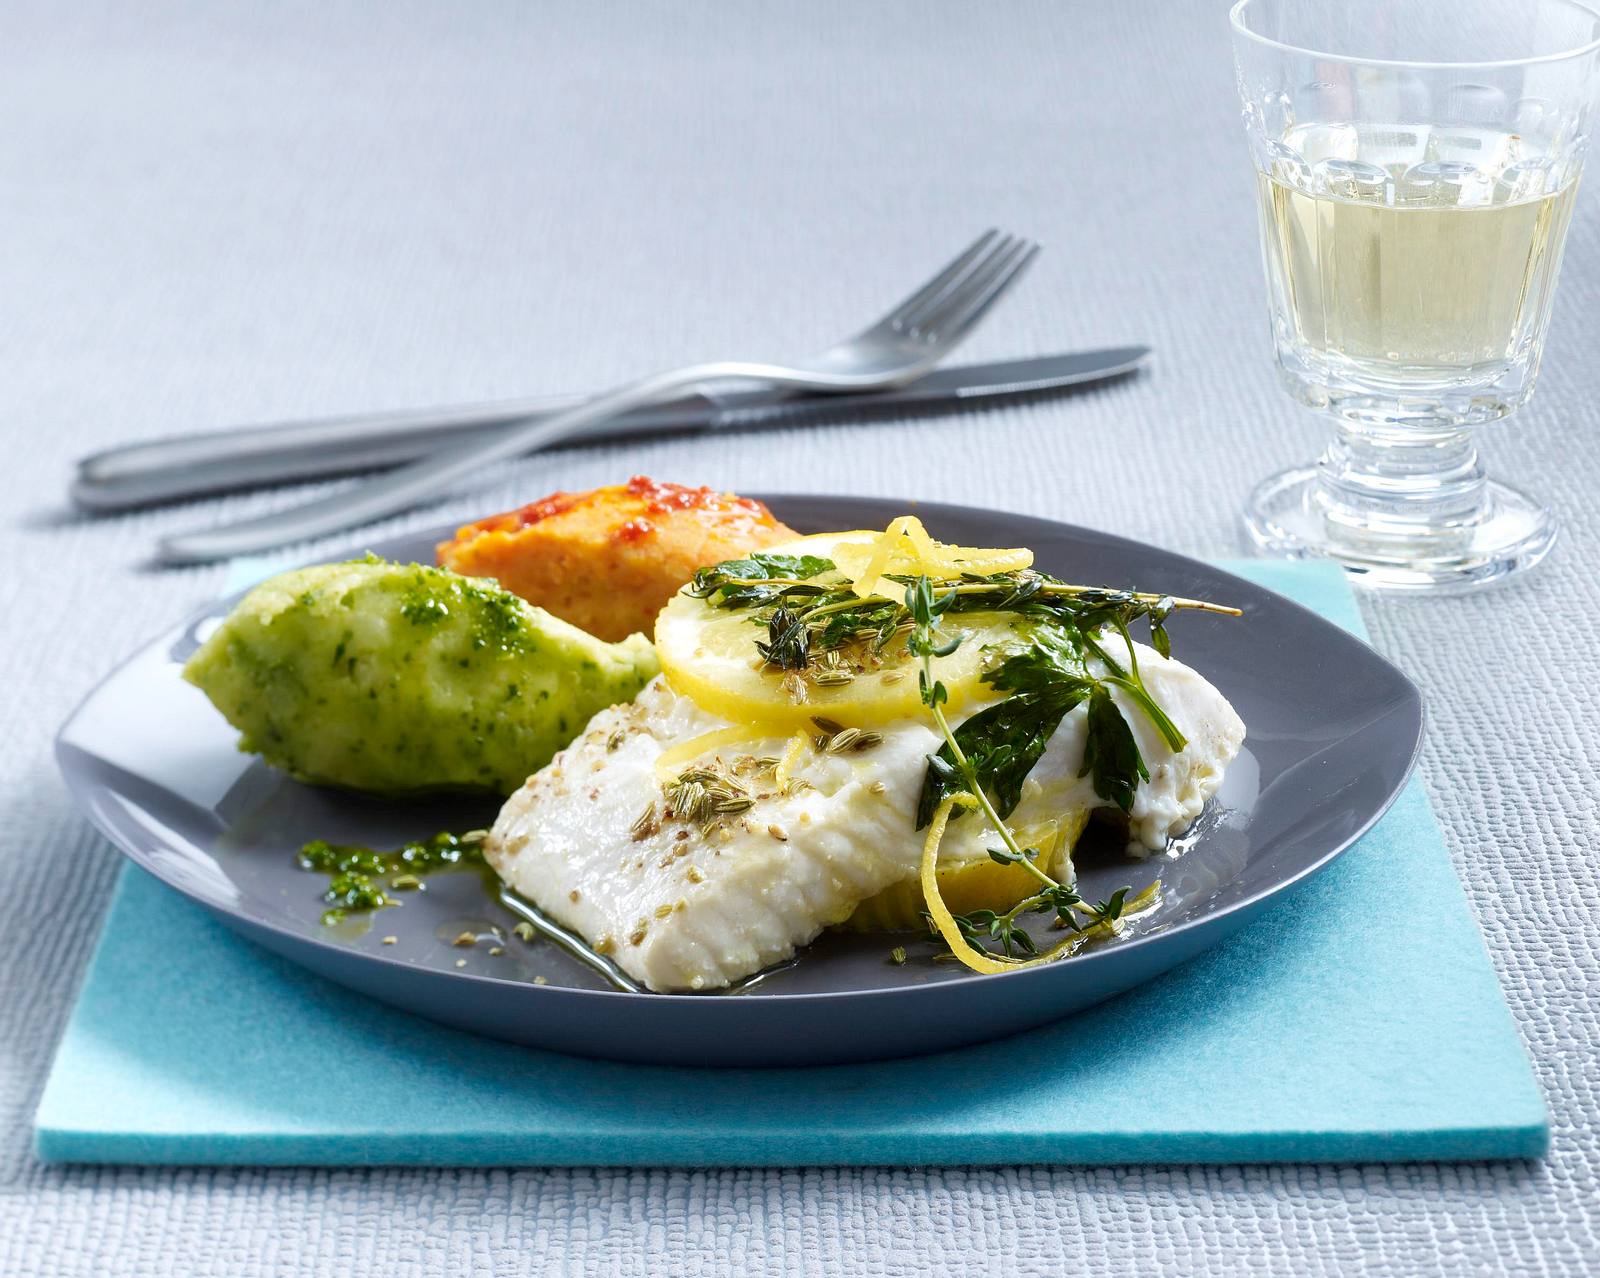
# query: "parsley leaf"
738,583
1110,754
1053,656
1002,742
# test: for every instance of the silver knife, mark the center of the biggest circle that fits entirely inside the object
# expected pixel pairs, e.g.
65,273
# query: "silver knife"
255,456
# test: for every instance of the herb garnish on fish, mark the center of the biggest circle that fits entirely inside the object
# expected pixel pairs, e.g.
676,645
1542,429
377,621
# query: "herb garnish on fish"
1062,662
807,620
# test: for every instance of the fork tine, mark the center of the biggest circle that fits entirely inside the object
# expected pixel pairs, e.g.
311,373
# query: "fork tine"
971,301
959,266
915,319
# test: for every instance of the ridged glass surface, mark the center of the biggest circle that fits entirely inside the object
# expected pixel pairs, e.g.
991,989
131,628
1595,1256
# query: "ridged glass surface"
1412,253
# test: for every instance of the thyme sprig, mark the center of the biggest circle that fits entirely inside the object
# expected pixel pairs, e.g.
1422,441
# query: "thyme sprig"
835,616
957,771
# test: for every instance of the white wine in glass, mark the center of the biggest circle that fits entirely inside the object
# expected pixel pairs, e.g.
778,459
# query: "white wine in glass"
1417,165
1412,268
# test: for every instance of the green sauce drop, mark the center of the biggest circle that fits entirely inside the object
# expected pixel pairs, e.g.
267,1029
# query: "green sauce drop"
361,879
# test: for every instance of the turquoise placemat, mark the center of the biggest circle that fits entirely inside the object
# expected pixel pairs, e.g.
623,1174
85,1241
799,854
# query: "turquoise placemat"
1359,1020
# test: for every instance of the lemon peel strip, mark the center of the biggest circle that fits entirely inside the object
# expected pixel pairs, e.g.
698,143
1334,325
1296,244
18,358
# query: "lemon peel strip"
945,924
943,921
921,542
905,547
871,580
791,756
669,763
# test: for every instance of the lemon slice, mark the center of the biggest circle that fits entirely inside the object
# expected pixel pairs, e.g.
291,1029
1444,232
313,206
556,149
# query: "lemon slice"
709,654
979,883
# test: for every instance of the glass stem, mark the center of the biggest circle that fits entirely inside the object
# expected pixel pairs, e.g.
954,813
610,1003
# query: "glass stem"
1402,480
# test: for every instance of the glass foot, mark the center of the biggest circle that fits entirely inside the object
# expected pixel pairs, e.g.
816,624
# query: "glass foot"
1291,515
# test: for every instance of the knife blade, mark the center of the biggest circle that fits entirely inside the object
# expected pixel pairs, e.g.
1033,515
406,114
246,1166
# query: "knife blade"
189,466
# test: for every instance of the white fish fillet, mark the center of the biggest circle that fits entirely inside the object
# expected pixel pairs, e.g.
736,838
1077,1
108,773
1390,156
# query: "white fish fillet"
679,911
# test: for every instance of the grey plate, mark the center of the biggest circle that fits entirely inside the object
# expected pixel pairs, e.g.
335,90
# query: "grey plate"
1333,733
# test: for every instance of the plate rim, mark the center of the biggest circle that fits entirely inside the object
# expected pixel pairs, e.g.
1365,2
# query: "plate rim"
75,779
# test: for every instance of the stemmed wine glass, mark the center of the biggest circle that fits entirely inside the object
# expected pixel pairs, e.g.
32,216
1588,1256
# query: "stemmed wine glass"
1416,162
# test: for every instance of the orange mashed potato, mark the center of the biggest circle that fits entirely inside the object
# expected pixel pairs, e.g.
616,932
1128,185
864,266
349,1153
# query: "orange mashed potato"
609,560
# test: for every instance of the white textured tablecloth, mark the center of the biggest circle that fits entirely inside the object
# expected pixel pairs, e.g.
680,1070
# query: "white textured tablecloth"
218,213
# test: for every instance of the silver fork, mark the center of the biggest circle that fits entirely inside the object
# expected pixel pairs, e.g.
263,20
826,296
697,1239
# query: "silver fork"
899,348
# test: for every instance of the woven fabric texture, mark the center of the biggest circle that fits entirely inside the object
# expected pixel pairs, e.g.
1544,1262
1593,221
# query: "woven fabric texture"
228,213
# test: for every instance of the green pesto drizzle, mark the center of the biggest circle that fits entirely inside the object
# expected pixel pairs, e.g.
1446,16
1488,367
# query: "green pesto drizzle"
362,879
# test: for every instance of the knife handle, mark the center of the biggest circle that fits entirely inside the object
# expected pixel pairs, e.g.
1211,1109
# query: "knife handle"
255,456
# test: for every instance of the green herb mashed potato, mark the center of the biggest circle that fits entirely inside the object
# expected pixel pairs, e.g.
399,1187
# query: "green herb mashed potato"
398,678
